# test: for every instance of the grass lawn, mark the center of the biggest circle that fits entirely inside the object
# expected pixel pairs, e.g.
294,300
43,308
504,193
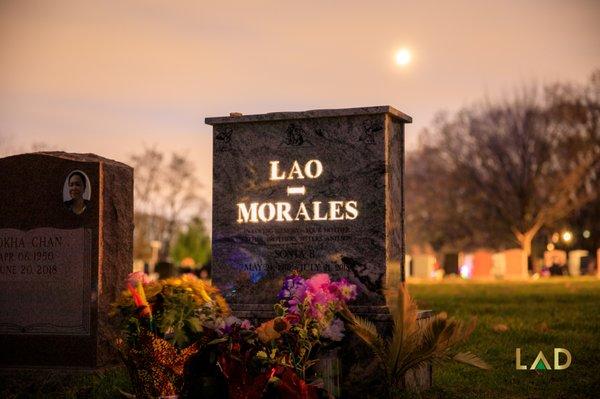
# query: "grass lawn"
540,315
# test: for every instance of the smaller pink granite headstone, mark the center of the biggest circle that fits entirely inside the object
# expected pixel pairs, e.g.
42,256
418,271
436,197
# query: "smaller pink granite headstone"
482,264
516,263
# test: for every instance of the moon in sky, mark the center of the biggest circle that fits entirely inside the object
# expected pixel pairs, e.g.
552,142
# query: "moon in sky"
403,57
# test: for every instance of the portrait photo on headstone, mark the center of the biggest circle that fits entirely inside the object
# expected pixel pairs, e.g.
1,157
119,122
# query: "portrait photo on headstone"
77,192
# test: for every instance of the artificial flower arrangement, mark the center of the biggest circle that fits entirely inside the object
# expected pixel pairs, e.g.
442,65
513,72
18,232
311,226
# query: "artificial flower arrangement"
179,338
163,324
276,359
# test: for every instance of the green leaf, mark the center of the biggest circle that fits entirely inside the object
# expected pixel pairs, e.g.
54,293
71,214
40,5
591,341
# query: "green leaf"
279,310
194,324
217,341
472,360
180,338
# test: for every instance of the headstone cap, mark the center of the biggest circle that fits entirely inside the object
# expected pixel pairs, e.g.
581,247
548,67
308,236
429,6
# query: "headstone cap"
71,157
317,113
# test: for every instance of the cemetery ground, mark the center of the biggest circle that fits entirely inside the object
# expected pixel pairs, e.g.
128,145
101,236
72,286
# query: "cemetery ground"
531,315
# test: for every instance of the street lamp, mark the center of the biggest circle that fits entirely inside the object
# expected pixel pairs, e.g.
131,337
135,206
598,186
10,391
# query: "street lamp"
567,236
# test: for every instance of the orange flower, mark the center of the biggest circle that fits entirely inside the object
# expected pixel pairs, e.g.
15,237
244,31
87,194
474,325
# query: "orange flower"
271,329
266,331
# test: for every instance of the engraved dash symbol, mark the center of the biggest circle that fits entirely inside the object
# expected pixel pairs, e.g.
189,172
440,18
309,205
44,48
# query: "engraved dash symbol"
296,190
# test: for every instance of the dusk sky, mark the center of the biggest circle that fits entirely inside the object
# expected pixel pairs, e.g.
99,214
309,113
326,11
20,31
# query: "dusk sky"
111,76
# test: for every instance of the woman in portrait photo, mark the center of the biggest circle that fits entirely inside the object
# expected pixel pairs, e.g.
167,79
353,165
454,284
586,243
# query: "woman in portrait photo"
77,184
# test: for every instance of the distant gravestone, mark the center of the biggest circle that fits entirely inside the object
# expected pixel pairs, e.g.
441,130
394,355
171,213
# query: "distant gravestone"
498,264
577,259
165,270
65,248
316,191
585,265
407,267
516,263
423,266
555,256
482,264
451,263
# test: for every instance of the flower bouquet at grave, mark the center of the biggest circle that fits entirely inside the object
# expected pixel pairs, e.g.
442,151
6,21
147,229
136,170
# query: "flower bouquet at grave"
163,326
277,358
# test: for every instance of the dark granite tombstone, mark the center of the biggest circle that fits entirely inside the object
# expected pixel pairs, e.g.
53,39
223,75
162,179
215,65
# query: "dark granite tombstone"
315,191
65,247
165,270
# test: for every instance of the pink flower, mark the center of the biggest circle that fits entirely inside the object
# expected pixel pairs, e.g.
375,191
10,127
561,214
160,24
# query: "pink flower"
138,277
318,282
246,325
318,305
323,297
317,297
344,290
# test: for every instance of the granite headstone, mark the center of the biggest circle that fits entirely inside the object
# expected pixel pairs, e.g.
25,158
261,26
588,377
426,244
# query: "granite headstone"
317,191
498,264
577,259
516,263
451,263
423,266
482,264
65,247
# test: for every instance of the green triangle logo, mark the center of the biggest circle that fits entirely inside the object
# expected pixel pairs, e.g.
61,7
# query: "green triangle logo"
540,365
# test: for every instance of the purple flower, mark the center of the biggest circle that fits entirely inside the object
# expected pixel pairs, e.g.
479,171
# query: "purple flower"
293,285
225,325
334,331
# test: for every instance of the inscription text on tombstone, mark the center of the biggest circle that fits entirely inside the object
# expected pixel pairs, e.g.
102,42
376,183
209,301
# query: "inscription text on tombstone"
48,270
315,191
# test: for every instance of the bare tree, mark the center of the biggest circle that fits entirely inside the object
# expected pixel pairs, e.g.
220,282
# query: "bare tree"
165,192
180,187
510,167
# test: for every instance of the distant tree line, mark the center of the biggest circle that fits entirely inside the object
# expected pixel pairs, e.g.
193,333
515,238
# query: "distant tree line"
168,207
497,173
